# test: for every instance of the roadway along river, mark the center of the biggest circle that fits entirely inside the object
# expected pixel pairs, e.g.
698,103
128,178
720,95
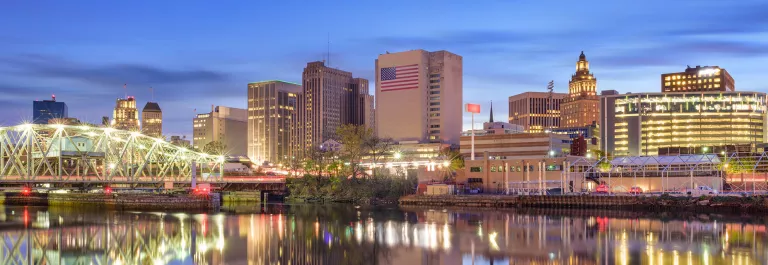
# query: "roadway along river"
344,234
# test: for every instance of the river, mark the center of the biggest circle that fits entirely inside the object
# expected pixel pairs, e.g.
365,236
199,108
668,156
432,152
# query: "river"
343,234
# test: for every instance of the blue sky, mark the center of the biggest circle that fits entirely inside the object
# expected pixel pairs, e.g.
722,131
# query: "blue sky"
201,53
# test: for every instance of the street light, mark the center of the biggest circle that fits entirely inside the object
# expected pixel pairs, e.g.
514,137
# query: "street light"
705,149
589,155
551,152
398,155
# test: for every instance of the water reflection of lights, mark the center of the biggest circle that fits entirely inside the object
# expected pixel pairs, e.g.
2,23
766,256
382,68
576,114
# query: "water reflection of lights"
564,239
492,241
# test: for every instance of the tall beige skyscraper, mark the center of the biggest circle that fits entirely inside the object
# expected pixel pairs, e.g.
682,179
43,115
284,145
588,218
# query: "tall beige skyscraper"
152,120
419,96
271,117
330,97
125,115
580,107
223,124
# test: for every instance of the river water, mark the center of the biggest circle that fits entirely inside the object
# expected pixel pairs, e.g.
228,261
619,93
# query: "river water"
343,234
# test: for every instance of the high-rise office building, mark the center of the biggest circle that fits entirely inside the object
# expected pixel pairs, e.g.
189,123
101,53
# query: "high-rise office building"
684,122
330,97
580,107
419,96
607,114
362,110
152,120
226,125
536,111
44,110
125,115
699,78
271,119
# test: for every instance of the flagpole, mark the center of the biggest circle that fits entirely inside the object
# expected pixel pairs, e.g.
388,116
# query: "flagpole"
473,136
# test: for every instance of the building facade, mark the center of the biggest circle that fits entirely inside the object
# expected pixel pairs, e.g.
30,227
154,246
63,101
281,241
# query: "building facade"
687,122
44,110
180,141
699,78
419,96
530,174
330,97
226,125
125,115
580,107
607,126
271,119
536,111
152,120
515,146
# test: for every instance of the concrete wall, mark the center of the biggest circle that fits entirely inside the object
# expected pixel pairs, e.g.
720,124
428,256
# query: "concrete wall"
116,201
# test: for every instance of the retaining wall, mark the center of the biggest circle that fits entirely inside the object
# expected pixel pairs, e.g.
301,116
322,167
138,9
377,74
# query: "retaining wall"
664,203
116,201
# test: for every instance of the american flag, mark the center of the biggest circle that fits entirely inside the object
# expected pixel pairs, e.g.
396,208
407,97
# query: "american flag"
399,77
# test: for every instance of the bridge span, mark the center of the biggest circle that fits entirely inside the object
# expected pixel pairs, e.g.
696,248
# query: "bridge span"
67,155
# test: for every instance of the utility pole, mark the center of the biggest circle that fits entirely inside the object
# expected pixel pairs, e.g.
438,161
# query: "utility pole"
549,120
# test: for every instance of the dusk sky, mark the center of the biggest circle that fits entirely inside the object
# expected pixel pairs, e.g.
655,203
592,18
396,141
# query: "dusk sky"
201,53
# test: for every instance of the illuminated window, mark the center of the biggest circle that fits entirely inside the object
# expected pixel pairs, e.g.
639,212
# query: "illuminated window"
666,78
666,83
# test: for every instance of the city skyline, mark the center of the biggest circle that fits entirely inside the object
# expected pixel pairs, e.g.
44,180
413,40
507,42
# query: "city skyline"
187,64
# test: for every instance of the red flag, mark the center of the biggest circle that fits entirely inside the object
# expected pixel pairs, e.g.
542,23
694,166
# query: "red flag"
473,108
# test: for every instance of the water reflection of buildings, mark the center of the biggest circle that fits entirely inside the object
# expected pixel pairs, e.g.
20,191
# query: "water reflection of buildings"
357,237
44,237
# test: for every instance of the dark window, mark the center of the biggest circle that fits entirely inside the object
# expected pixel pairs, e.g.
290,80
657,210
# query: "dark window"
434,126
434,92
434,75
434,81
434,103
435,86
476,169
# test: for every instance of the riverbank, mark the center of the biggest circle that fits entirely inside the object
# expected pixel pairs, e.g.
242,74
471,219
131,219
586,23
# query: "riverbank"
633,203
143,202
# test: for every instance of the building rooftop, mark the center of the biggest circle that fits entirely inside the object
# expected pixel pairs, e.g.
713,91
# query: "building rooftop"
152,106
271,81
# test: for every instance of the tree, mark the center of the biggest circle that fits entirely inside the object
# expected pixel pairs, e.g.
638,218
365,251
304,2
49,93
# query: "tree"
353,139
292,164
377,148
317,160
215,148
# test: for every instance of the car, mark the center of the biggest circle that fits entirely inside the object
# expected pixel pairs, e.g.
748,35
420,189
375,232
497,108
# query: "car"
555,191
635,190
602,188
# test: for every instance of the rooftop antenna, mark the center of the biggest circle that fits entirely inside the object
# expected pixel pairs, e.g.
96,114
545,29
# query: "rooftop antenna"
125,89
329,49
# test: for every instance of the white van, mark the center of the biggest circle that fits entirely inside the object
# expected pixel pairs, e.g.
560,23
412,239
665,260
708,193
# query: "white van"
702,190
